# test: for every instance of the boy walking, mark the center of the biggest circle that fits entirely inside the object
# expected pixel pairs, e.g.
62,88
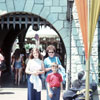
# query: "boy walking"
54,83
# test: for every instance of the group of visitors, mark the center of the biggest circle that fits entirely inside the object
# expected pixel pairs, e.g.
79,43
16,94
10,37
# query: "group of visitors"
37,66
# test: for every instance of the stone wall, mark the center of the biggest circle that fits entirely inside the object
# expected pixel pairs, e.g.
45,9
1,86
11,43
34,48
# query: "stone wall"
78,59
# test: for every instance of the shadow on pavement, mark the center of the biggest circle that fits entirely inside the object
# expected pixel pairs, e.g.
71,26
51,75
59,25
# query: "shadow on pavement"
7,81
1,93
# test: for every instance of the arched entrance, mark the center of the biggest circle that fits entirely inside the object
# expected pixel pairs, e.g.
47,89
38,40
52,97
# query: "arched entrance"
13,25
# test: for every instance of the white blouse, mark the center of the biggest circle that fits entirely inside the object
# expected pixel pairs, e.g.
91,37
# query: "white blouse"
34,64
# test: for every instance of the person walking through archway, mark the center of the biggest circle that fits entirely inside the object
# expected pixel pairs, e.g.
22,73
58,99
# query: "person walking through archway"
2,64
17,63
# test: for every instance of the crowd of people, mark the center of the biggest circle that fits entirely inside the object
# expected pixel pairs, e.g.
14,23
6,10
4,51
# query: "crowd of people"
33,66
48,65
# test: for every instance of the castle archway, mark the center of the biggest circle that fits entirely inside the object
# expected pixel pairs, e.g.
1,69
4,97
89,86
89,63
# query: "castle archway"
13,25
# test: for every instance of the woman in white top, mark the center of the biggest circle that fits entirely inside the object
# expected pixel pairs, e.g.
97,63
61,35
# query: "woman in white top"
34,68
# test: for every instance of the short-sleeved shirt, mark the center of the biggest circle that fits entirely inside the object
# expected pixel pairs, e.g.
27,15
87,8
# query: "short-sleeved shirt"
48,61
54,79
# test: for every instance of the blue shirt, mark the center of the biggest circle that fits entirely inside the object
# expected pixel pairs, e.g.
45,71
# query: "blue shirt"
48,61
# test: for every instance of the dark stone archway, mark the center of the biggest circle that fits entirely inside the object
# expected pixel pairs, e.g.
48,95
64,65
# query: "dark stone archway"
13,25
7,43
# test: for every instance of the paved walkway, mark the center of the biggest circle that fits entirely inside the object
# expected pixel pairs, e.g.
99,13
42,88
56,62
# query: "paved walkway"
17,94
9,91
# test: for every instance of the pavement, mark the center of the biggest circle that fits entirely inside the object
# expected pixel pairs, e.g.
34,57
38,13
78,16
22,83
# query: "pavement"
10,91
17,94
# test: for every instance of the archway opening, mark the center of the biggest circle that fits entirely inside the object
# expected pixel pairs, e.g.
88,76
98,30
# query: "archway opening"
15,26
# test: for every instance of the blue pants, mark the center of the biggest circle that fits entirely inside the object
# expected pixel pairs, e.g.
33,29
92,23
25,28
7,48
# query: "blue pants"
32,93
56,94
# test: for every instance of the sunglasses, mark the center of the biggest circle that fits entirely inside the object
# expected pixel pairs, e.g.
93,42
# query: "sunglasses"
54,66
50,52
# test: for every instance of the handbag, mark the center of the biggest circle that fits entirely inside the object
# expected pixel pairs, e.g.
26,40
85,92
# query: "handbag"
2,66
62,71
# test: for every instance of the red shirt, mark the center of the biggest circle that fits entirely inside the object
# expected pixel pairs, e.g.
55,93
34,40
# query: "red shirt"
54,79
